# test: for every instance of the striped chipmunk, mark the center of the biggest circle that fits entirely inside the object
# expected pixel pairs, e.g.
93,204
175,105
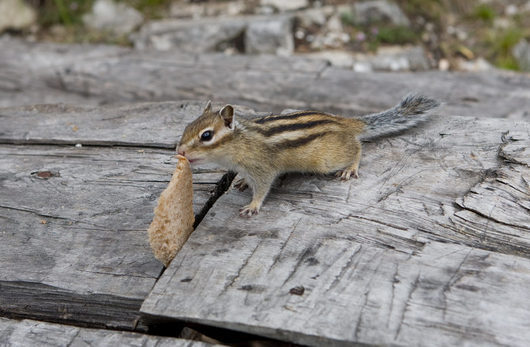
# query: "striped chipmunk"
260,149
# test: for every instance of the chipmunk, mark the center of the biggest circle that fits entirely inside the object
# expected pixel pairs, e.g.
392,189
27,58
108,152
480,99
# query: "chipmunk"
306,141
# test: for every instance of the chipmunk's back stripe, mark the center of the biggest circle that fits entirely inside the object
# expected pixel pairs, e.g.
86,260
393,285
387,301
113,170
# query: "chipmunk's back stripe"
285,116
301,141
293,127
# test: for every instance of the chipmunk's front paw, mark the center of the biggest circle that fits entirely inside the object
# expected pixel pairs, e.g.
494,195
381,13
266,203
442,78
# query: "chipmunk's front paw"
347,174
241,184
248,211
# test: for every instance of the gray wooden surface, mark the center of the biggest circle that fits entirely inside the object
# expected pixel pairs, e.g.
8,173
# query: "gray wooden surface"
73,234
94,74
34,333
431,245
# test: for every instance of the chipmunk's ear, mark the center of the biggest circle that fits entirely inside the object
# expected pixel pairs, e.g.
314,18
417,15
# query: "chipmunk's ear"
208,107
227,114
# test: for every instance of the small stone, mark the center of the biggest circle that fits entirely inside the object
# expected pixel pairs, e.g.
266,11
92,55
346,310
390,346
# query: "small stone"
283,5
476,65
443,65
362,66
511,10
299,34
429,27
345,37
334,24
182,9
272,36
366,12
190,35
16,14
264,10
78,145
461,35
521,52
314,16
117,18
393,58
501,23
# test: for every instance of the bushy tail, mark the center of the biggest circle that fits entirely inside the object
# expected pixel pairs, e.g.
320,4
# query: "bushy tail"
411,111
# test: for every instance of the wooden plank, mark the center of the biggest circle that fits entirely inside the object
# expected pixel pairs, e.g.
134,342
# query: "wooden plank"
389,258
74,242
148,125
272,89
101,74
34,333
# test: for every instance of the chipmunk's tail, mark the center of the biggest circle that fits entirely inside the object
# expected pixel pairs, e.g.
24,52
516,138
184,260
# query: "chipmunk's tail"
411,111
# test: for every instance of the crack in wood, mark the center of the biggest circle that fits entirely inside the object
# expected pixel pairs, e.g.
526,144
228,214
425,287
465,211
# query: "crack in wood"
245,263
366,294
447,286
394,281
36,213
489,217
87,143
409,296
279,254
345,268
73,338
220,188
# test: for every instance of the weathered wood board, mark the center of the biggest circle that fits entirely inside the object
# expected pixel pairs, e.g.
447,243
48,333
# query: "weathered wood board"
156,125
80,74
74,220
34,333
431,245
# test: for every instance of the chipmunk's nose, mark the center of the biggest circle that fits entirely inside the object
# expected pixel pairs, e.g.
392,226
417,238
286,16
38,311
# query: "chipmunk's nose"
181,150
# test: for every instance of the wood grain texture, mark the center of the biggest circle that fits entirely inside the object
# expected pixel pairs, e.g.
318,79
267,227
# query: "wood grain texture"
33,333
102,74
156,125
74,244
430,246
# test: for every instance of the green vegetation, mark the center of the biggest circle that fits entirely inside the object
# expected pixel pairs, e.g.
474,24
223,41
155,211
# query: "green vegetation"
370,37
152,9
396,35
70,12
64,12
501,45
432,10
485,13
347,18
62,20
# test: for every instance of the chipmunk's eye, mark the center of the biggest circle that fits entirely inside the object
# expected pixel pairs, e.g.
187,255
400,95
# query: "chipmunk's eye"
207,135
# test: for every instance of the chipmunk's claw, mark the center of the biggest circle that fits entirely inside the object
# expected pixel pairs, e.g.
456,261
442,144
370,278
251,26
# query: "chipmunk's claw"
241,184
248,211
347,174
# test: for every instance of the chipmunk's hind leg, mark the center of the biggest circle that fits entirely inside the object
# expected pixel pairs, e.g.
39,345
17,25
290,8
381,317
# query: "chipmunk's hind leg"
353,169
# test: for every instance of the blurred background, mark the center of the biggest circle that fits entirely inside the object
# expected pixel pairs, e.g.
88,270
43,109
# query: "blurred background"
373,35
